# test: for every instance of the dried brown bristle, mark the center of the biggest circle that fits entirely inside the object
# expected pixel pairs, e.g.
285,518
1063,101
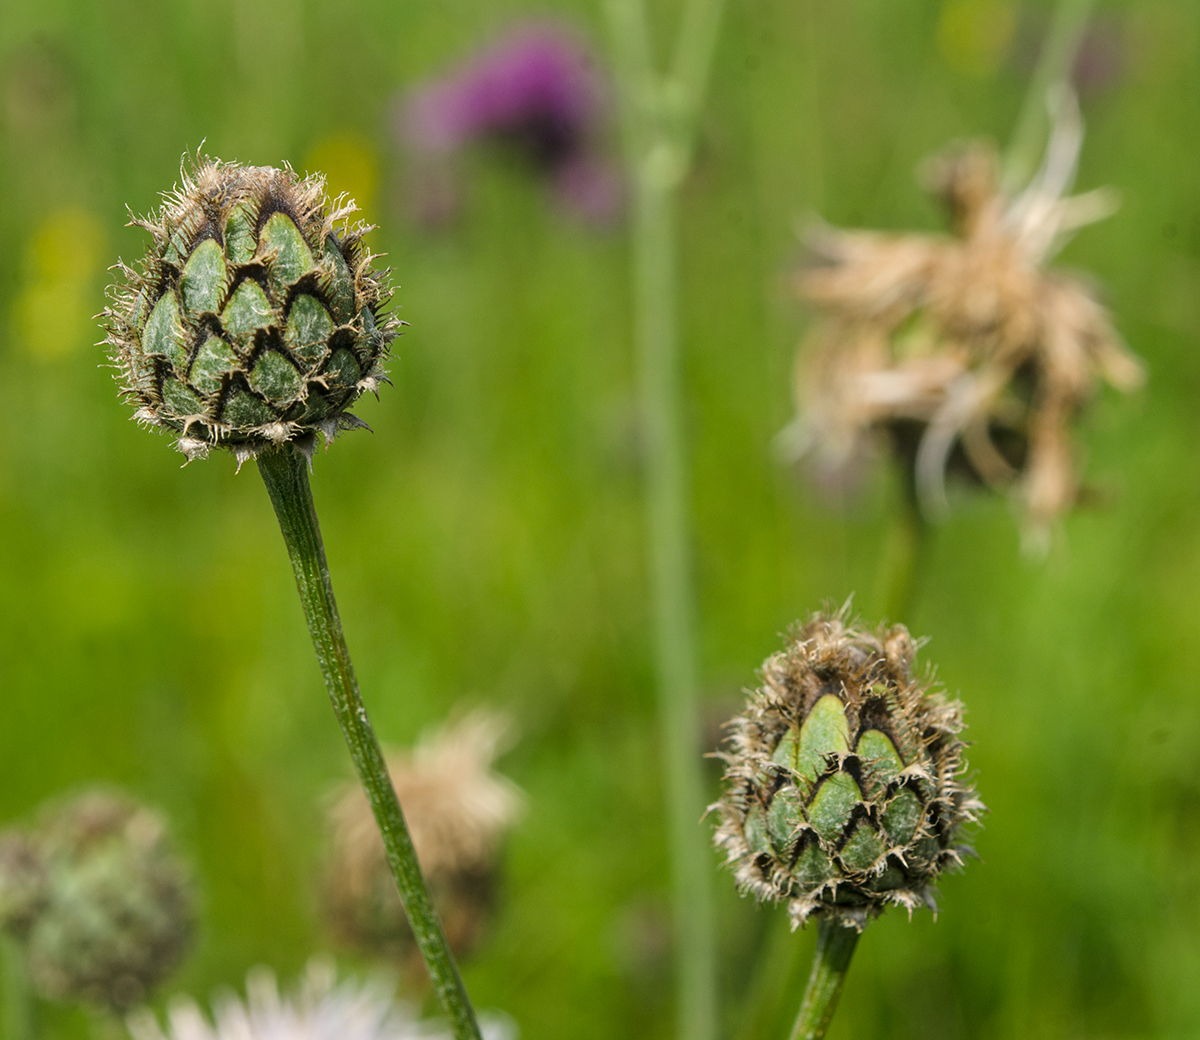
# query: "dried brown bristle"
458,811
966,340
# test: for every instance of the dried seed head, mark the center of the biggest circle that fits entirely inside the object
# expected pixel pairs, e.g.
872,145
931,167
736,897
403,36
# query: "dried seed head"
964,349
843,780
113,908
458,811
254,318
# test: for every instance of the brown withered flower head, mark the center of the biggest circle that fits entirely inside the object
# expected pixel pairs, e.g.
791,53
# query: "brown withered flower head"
844,777
458,812
255,317
964,349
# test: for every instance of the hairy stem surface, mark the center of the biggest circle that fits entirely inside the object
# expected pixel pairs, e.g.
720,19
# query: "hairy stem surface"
835,947
285,472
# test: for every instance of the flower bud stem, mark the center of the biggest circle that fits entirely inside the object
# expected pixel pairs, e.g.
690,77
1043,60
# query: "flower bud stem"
285,472
835,947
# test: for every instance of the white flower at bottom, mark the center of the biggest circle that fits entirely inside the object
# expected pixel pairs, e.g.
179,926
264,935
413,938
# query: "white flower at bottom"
322,1009
963,352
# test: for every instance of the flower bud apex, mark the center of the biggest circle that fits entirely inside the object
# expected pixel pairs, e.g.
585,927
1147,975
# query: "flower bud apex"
115,913
252,321
844,789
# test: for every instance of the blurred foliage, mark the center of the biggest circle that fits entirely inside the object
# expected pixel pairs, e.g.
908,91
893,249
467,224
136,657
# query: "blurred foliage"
486,540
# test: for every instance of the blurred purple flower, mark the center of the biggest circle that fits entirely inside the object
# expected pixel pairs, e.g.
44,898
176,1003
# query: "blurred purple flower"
537,89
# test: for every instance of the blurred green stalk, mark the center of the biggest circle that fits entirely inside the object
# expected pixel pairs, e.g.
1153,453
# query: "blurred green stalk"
659,120
1054,65
835,947
18,1017
285,472
903,559
778,971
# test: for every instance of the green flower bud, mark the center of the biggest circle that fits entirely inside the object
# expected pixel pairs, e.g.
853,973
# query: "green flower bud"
116,912
844,789
254,318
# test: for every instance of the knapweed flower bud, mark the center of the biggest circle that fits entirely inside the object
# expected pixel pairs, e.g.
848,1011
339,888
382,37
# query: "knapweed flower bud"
254,318
844,777
116,909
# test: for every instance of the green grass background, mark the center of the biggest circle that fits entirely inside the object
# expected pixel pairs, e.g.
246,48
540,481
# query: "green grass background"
486,541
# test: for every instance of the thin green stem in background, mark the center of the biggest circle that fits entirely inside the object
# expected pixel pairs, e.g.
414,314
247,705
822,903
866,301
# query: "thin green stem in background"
285,472
659,119
903,560
835,947
19,1020
671,596
1055,64
692,64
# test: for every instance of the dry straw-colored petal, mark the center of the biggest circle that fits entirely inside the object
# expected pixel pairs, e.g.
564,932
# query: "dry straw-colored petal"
966,337
458,810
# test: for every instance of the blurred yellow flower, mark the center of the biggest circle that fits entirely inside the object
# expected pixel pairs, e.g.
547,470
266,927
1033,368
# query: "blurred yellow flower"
973,35
349,164
54,307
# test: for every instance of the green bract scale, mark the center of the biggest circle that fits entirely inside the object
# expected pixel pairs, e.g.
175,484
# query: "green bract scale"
254,318
844,789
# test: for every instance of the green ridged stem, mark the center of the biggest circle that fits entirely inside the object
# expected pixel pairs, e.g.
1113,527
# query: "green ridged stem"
659,115
835,947
285,472
19,1020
